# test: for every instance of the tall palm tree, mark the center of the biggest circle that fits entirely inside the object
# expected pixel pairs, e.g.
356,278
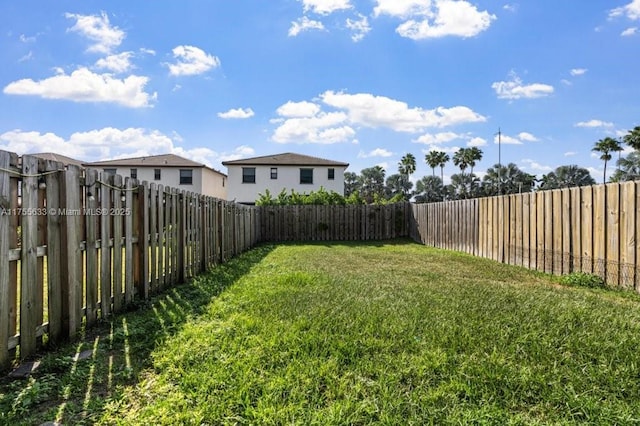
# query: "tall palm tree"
407,165
567,177
461,159
432,160
473,154
633,138
443,158
606,147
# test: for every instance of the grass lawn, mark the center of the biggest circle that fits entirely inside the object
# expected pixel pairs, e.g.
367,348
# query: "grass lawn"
390,333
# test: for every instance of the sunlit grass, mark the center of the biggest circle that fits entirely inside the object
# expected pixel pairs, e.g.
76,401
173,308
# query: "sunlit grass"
391,333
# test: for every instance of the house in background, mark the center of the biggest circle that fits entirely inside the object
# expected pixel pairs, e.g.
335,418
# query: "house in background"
59,158
250,177
168,170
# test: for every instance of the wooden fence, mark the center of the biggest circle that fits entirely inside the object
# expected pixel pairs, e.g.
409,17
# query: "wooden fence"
335,223
593,229
77,245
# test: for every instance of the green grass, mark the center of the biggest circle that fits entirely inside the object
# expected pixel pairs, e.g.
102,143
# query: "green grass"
389,333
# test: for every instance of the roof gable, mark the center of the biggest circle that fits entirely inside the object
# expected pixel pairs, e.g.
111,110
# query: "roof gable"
162,160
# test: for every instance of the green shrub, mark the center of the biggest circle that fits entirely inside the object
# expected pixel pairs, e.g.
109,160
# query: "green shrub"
583,279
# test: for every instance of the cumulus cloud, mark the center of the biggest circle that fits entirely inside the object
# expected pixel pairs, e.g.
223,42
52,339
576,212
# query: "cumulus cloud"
629,32
477,141
192,60
298,109
304,24
435,18
578,71
325,7
631,11
118,63
594,124
113,143
520,139
516,89
98,29
438,138
527,137
359,27
237,113
378,152
82,85
307,122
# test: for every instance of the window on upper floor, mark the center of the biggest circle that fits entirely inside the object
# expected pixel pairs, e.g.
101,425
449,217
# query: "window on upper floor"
274,173
156,174
134,173
248,175
110,171
331,175
186,176
306,176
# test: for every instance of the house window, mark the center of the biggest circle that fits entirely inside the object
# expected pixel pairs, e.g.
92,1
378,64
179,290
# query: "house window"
186,176
306,176
223,182
332,174
110,171
156,174
274,173
134,174
248,175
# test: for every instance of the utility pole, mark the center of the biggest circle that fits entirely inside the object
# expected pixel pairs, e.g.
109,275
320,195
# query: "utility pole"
499,161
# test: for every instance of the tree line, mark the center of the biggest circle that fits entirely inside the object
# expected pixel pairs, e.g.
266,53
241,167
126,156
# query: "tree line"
500,179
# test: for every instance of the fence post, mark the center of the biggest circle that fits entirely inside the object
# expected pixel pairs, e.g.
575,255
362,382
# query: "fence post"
54,249
5,206
143,241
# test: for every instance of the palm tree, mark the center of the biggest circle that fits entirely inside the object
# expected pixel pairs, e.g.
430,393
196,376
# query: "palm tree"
507,179
605,147
432,160
566,177
429,190
443,158
473,154
628,168
633,138
461,159
407,165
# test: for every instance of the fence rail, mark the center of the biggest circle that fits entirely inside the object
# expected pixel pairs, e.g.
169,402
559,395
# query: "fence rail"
335,223
593,229
77,245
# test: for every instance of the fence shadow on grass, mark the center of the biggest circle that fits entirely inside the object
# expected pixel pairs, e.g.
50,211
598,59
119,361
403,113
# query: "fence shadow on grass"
74,383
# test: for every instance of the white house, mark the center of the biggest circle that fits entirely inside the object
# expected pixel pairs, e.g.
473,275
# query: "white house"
250,177
168,170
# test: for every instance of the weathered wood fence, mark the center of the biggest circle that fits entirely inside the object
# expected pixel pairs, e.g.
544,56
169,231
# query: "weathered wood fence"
334,223
77,245
593,229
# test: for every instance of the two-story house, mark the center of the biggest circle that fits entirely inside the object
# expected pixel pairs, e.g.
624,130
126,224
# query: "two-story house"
168,170
250,177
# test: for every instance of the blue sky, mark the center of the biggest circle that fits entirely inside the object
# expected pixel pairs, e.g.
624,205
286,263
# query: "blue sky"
361,81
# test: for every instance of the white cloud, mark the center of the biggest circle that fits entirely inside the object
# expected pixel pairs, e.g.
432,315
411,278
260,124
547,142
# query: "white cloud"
360,27
112,143
325,7
515,89
324,128
27,57
594,124
99,30
378,152
508,140
437,18
237,113
118,63
298,109
25,39
510,7
304,24
535,166
306,122
631,11
192,61
477,142
379,111
82,85
527,137
629,32
566,82
438,138
578,71
570,153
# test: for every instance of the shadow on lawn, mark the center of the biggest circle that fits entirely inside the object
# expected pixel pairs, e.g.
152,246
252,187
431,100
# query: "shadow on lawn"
74,382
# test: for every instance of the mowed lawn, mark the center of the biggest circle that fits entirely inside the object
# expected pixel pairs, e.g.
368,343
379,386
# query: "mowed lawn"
378,333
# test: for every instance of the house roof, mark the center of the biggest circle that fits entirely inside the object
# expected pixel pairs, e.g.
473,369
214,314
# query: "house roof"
286,159
58,157
162,160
